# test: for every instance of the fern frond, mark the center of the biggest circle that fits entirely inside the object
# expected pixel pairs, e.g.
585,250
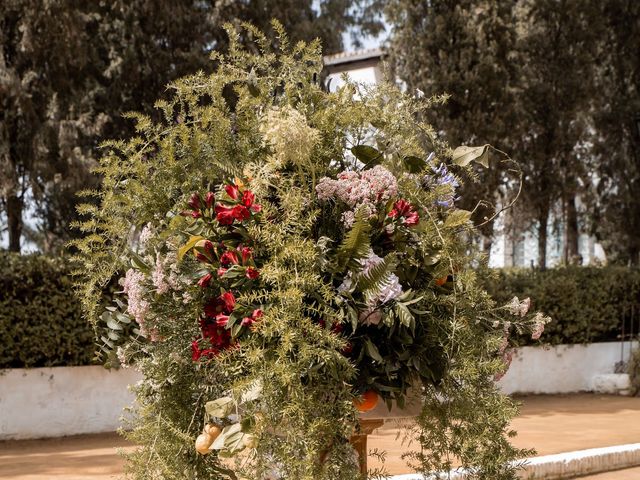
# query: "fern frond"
378,276
355,245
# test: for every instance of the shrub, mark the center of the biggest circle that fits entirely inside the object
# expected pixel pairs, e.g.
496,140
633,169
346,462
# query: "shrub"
41,323
587,304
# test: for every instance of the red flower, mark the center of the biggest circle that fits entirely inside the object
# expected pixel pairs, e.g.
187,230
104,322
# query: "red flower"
229,257
196,214
232,191
224,214
228,300
221,304
406,211
209,199
195,202
202,258
240,213
205,280
412,219
248,321
347,349
222,319
248,197
252,273
221,271
196,353
246,254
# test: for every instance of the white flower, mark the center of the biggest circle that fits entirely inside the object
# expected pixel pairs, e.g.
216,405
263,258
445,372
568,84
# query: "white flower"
519,308
158,276
133,287
145,235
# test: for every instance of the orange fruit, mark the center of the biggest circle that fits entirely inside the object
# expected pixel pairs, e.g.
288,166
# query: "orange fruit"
368,402
441,281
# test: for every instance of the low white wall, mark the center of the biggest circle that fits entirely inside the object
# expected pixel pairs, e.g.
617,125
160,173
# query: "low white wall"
561,368
52,402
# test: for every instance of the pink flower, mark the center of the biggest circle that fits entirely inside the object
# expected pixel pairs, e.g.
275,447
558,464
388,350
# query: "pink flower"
221,271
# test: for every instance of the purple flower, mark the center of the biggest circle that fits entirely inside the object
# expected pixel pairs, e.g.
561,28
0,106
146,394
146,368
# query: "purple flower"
442,177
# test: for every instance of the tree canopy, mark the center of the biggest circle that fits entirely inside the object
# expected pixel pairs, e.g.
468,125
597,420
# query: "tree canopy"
70,69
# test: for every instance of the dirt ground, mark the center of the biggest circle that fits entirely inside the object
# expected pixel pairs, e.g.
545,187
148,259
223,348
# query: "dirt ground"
550,424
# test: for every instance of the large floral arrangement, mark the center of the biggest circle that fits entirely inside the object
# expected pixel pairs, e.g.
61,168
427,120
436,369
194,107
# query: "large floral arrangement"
287,257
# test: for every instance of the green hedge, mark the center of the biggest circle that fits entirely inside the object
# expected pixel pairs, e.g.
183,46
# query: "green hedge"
41,323
587,304
40,319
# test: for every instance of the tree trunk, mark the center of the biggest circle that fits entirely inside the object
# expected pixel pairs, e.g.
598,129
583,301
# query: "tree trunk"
543,218
14,221
571,250
487,243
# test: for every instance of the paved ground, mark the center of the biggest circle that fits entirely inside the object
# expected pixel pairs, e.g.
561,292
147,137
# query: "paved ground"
551,424
631,474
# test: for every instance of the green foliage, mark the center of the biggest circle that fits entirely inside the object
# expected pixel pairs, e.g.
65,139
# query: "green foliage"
41,323
587,304
264,115
70,70
553,83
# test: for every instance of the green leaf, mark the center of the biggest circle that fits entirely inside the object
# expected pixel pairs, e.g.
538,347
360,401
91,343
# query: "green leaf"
414,164
138,262
372,351
367,154
464,155
405,316
182,251
221,407
456,218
